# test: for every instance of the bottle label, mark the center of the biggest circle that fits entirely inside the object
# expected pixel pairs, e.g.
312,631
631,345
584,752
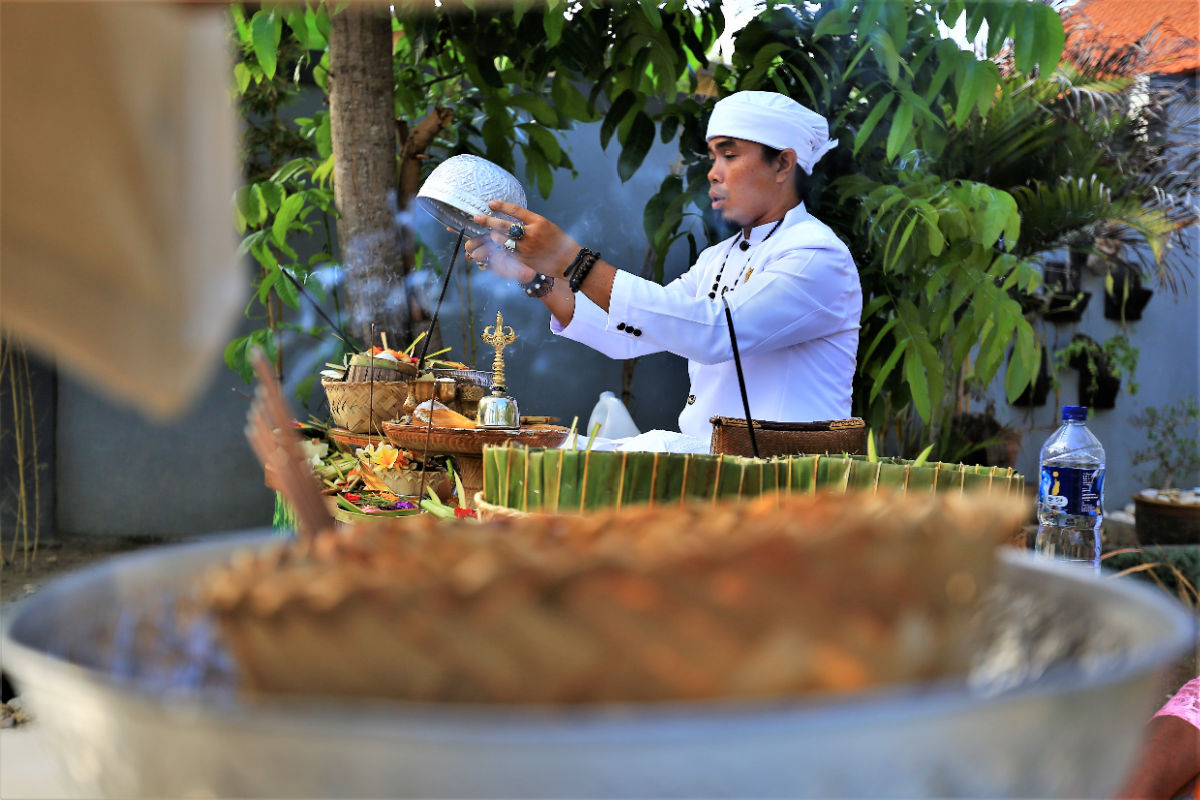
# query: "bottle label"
1071,490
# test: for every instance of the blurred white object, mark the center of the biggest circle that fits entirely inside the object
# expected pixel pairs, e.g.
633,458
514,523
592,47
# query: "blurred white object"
119,149
612,417
462,186
660,441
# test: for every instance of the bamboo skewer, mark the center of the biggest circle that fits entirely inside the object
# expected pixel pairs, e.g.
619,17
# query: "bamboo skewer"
269,429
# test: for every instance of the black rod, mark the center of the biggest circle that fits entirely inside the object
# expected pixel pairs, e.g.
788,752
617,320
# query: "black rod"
737,363
438,308
341,334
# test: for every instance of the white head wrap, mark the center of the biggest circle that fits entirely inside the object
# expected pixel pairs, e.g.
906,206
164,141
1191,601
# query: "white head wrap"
775,120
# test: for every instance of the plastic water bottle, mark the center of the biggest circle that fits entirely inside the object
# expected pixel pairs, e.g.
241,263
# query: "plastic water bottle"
1071,492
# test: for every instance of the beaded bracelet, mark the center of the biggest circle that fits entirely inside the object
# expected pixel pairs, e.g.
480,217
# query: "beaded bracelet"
574,265
539,286
579,274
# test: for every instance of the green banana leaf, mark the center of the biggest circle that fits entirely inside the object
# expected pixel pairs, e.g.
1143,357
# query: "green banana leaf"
570,481
701,479
637,482
534,486
570,484
601,479
551,479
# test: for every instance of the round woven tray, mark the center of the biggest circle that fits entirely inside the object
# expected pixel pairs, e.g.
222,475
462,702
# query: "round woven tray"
470,441
347,441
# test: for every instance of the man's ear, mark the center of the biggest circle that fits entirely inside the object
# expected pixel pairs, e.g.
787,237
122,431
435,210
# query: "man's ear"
785,165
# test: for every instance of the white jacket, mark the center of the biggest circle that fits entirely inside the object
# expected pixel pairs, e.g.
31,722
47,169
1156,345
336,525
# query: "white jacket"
796,304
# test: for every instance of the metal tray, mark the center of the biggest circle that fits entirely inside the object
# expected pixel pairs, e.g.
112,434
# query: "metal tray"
1064,680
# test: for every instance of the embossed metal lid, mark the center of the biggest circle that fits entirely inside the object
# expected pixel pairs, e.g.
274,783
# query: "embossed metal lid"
462,186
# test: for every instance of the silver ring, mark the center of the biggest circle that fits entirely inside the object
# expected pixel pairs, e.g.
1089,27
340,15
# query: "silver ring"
516,230
510,245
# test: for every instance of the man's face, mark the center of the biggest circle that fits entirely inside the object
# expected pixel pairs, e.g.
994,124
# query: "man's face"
742,185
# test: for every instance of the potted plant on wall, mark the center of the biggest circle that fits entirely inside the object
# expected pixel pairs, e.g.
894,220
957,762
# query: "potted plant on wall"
1169,513
1065,302
1124,295
1100,367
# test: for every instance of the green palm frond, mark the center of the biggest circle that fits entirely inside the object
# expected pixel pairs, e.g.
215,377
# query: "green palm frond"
1053,214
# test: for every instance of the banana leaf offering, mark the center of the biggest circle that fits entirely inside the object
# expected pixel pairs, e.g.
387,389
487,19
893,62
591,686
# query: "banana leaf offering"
576,481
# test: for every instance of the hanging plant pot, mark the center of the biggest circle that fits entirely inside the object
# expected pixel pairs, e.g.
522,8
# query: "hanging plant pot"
1036,394
1098,389
1126,301
1063,307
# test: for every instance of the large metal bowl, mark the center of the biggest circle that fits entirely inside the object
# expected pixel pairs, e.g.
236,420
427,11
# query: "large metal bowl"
1054,708
462,186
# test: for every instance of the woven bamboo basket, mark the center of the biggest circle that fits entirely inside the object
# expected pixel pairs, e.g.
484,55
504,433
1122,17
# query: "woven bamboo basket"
731,436
364,369
362,407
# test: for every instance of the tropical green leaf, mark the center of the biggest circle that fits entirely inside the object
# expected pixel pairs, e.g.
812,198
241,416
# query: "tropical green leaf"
288,210
885,370
553,20
900,130
265,30
568,99
636,145
650,9
241,77
1048,38
545,141
1022,368
237,360
872,120
616,114
538,107
834,22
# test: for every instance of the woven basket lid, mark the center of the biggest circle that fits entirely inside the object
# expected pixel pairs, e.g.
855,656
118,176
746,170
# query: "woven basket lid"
462,186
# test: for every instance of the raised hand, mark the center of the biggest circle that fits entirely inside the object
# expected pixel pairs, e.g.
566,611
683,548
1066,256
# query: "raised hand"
533,240
490,255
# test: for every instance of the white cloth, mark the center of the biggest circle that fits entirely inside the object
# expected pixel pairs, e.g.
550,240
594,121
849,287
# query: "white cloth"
655,441
775,120
796,316
119,145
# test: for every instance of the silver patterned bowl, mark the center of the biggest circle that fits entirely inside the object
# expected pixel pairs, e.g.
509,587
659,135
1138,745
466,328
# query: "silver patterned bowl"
462,186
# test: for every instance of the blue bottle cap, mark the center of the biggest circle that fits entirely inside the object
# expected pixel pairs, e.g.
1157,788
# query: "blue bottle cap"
1074,414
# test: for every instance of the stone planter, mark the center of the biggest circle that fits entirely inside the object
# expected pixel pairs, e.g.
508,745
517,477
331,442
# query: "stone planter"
1164,522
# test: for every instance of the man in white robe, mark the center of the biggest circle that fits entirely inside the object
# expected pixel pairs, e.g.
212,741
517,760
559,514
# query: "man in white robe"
790,283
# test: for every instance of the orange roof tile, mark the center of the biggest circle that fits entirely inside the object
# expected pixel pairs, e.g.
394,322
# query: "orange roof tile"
1119,23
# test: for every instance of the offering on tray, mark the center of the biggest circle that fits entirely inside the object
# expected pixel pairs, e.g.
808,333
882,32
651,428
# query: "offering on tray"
777,597
385,467
440,416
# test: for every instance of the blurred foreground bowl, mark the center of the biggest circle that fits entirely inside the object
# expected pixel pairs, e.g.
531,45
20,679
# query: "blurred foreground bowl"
1065,678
